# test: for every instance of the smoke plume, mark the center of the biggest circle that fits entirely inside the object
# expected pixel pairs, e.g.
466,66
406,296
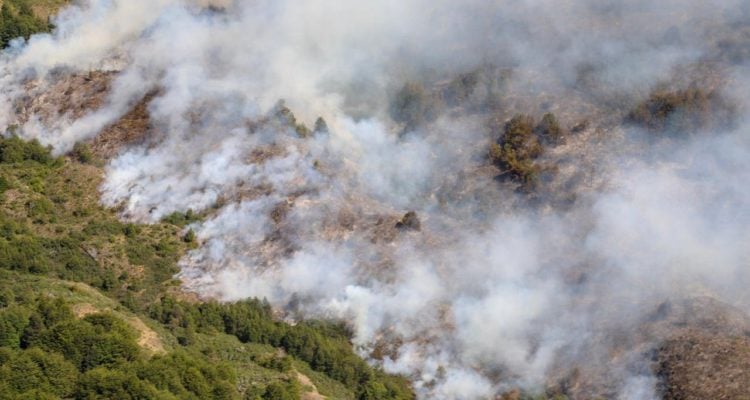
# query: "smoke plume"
498,288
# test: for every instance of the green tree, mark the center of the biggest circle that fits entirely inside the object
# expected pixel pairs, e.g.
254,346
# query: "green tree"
278,391
35,369
107,384
13,321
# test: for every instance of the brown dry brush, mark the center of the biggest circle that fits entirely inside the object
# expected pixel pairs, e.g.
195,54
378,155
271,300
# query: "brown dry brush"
683,111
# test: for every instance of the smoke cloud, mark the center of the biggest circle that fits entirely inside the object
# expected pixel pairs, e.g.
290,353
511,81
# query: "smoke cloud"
496,290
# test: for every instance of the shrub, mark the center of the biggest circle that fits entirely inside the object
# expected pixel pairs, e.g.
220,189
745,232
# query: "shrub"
496,153
279,212
321,127
413,106
522,169
40,209
131,230
15,150
519,134
688,110
410,221
517,149
549,129
302,130
181,219
477,90
23,253
286,117
82,152
33,332
189,237
375,391
4,184
53,311
277,362
68,259
460,88
278,391
104,227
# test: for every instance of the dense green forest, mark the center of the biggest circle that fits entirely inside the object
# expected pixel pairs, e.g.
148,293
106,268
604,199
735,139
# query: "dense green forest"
89,308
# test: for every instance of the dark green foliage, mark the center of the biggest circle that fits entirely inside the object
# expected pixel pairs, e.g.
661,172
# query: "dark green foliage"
34,369
181,219
13,321
683,111
69,260
95,357
519,134
302,130
33,332
277,362
324,347
82,229
460,89
517,149
101,228
16,150
40,210
286,117
549,129
98,340
375,391
413,106
520,144
278,391
23,253
82,152
4,184
187,376
53,311
160,257
102,383
7,297
131,230
189,237
479,90
18,20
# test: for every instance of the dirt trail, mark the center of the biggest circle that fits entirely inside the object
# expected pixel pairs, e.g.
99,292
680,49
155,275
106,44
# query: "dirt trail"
313,394
147,337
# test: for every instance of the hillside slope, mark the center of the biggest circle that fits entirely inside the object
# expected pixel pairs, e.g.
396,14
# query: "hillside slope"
502,199
90,296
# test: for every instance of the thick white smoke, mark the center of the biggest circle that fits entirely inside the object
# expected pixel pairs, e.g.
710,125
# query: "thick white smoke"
490,294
